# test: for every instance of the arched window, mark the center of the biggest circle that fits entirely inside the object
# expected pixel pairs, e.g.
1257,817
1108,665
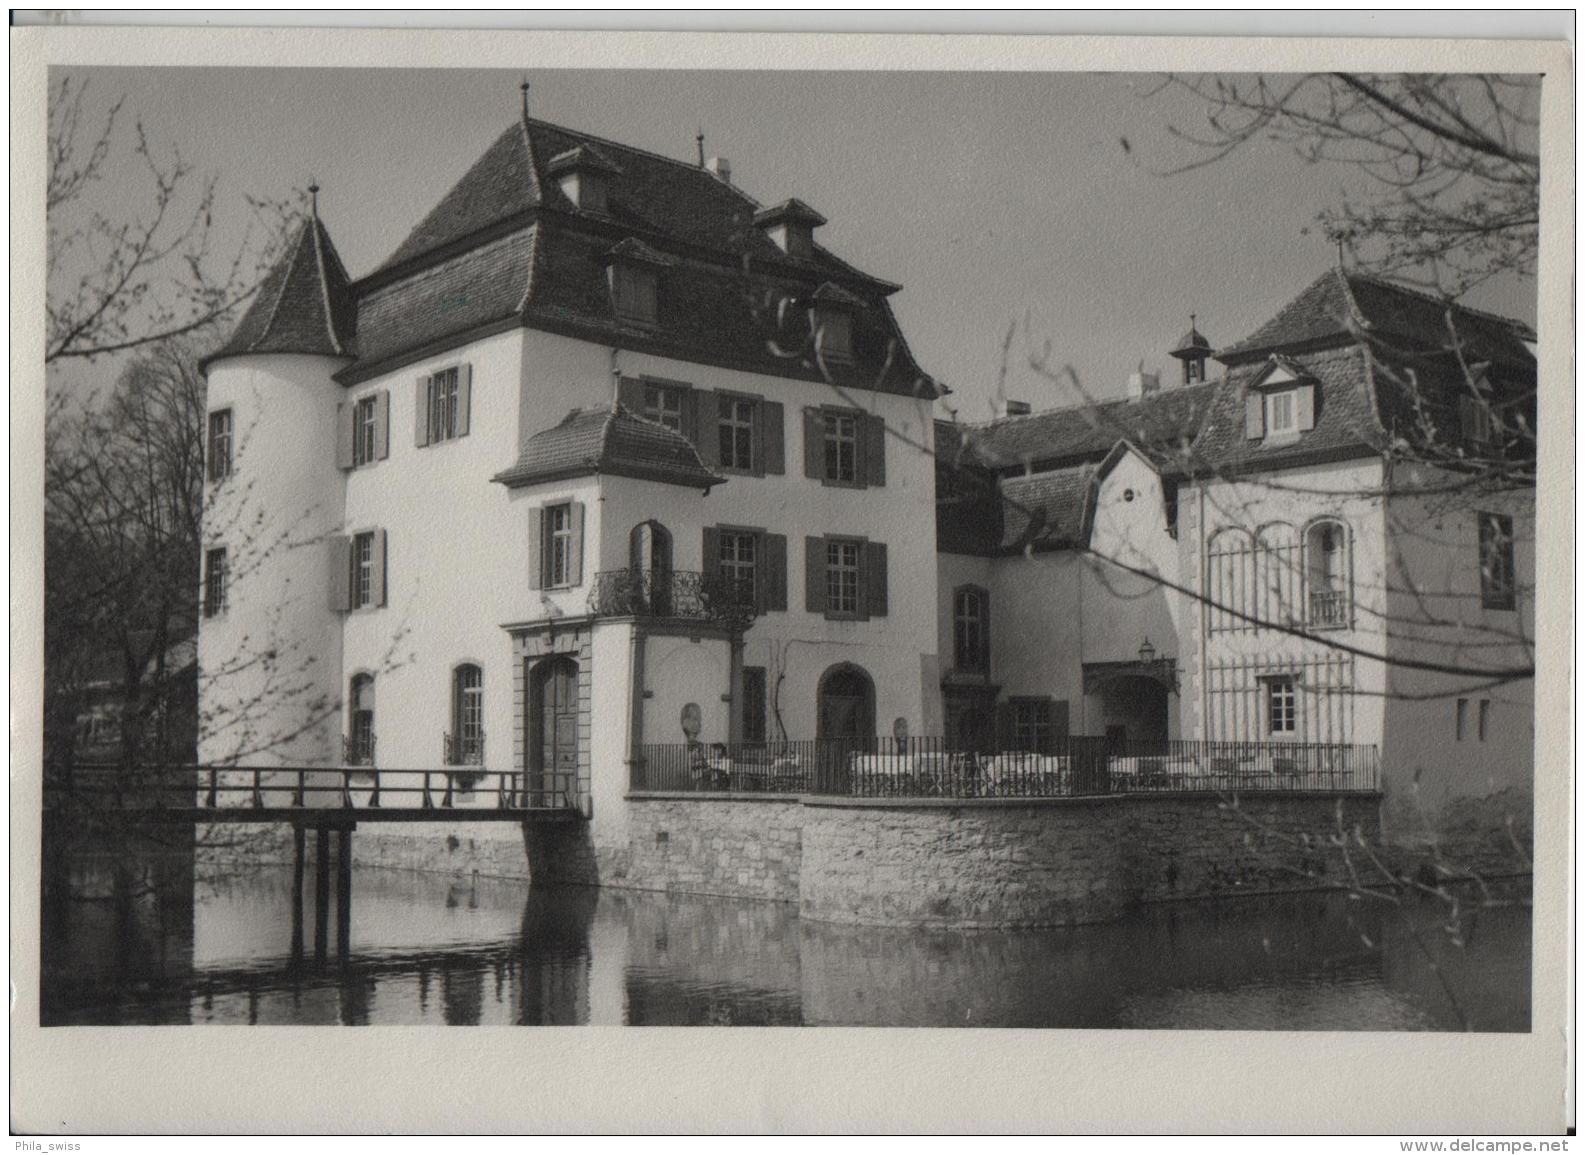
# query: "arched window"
1230,580
1277,599
971,629
1327,574
466,745
360,721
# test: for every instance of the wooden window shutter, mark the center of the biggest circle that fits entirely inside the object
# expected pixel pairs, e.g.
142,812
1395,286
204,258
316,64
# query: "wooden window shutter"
875,578
377,569
630,395
1304,407
1254,416
710,559
575,562
536,547
814,444
772,456
874,449
343,437
421,413
985,632
464,398
773,587
707,425
382,424
815,574
338,572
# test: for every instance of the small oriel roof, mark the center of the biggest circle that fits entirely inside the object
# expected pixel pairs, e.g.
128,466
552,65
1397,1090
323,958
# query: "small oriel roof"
612,441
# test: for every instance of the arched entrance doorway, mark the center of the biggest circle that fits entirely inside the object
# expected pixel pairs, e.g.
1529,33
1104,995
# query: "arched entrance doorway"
847,704
844,720
553,732
1134,713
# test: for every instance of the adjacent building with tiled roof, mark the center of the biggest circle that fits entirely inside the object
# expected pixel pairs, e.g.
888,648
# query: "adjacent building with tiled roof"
1327,542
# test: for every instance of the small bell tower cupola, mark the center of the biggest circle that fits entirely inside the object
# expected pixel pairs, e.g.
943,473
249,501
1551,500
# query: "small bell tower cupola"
1193,350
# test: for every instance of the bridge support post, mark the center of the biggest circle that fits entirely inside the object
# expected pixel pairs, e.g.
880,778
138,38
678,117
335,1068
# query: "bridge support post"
299,862
344,892
321,891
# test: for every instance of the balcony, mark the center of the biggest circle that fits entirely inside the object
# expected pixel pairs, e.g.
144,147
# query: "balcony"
674,595
1328,609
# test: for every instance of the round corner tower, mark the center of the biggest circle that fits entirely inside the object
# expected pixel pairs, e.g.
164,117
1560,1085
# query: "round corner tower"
269,643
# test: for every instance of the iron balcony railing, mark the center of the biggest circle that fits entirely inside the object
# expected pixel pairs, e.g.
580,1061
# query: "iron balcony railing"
680,594
1068,767
462,749
1328,608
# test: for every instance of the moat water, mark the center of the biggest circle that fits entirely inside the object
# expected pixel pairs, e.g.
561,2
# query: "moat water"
155,942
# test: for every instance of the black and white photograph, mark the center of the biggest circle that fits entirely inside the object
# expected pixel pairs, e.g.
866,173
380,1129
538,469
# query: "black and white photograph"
775,546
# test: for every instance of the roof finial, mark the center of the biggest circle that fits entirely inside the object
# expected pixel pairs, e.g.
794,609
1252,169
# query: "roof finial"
313,197
1192,321
524,88
699,140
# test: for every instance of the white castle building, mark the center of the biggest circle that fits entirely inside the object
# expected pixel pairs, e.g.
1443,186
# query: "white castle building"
609,455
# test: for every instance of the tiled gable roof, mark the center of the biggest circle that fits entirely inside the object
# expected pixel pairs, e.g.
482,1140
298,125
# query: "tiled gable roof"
609,440
1161,424
305,304
1341,306
1046,510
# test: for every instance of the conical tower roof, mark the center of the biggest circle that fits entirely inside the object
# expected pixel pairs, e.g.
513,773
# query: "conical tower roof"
304,305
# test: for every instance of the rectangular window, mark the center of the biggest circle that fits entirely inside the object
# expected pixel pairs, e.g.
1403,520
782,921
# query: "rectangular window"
1460,719
634,293
754,705
1282,706
1031,724
739,557
219,444
842,577
444,390
735,420
969,636
362,576
663,404
1485,719
1281,413
1496,561
558,545
217,575
842,447
363,418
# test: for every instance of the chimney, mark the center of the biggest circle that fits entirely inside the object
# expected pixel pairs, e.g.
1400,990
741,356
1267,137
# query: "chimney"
1142,384
1007,407
720,167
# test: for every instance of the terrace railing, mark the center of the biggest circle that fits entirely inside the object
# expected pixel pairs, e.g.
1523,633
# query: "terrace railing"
1328,608
1069,767
677,594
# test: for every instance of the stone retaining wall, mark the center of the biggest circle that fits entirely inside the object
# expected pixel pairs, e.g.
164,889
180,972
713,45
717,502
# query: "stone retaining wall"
740,846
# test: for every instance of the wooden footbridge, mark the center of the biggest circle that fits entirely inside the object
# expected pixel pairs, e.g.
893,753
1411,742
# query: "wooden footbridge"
327,800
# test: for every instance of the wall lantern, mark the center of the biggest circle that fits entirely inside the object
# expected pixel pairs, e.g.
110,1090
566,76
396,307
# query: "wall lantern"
1147,653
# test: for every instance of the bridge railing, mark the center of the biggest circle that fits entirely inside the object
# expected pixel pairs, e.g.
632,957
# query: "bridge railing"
310,787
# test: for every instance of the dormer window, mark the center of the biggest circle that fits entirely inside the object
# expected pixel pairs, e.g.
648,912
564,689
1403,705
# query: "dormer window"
584,176
1280,405
635,270
831,321
790,226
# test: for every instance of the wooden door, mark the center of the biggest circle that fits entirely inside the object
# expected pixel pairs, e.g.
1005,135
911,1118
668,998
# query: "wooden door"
553,738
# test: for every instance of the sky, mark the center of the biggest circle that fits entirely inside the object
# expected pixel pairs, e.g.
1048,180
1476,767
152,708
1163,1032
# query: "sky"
1030,202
